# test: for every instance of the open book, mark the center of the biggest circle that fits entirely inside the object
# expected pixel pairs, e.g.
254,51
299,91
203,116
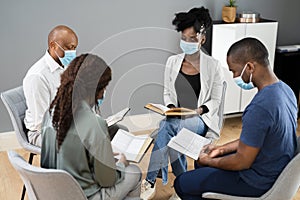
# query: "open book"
111,120
188,143
164,110
133,146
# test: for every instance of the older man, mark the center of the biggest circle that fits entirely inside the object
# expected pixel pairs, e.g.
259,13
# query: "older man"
43,78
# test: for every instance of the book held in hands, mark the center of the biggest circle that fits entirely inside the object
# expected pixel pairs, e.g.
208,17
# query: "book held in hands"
188,143
111,120
164,110
132,146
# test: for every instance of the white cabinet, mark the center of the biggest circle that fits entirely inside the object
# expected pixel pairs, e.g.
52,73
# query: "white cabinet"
223,36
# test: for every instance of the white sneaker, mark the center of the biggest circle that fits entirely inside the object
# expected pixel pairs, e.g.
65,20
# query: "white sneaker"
174,197
147,192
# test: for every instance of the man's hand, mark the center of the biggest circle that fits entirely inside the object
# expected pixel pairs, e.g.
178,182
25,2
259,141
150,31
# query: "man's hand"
213,151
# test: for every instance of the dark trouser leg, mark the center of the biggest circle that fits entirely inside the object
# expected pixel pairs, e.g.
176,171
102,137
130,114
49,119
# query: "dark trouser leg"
190,185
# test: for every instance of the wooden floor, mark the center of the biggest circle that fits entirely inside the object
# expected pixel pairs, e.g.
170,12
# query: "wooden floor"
11,184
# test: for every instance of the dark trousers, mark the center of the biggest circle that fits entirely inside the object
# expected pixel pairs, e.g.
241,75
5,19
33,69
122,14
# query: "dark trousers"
190,185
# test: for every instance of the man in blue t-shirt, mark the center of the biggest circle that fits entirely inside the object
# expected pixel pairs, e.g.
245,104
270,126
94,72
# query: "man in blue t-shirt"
250,165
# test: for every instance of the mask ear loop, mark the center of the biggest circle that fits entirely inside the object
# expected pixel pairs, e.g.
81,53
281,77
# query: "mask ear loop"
60,49
250,78
59,46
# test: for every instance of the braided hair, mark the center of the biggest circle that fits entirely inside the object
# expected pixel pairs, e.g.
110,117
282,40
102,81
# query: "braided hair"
84,78
198,18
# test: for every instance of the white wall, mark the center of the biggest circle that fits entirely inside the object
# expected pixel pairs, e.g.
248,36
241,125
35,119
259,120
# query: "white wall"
135,37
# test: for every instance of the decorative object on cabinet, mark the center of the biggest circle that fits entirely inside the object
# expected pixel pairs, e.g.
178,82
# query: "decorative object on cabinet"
248,17
229,12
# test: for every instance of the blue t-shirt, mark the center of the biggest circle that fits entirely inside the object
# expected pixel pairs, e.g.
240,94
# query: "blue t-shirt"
269,123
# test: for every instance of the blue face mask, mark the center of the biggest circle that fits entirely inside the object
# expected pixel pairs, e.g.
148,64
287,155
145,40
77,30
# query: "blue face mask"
100,101
240,82
68,57
189,48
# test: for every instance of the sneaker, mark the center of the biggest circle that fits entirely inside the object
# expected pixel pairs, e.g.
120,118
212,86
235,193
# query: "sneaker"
147,190
174,197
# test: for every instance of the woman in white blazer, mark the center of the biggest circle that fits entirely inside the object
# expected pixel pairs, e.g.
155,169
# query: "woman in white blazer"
194,80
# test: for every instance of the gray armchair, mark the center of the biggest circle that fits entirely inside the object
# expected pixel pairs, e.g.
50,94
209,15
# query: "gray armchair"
285,187
46,184
15,103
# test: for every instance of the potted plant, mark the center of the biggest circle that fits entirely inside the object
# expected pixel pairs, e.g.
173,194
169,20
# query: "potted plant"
229,12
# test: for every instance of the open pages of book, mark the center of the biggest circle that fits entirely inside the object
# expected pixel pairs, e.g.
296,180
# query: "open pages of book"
188,143
133,146
164,110
111,120
159,108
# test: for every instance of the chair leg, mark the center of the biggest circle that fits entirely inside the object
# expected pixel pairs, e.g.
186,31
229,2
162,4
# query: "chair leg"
31,158
23,192
30,162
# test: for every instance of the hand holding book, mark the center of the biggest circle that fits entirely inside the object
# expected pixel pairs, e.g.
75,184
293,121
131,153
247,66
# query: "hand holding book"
188,143
111,120
132,146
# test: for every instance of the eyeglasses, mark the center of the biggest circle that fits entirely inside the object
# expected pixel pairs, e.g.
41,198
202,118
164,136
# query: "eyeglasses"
196,37
189,39
193,38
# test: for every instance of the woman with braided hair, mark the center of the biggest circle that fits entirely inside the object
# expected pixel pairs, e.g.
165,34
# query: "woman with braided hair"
76,139
193,80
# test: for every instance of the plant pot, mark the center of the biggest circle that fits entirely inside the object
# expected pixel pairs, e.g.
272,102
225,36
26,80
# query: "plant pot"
228,14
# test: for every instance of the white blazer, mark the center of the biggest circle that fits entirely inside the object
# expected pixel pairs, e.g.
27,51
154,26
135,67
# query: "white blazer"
211,80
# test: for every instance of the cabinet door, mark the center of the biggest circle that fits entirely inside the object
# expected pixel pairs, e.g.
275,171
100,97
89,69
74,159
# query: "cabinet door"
223,36
266,33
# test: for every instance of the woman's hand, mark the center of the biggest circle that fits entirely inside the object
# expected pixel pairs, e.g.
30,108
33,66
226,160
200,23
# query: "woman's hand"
123,160
199,110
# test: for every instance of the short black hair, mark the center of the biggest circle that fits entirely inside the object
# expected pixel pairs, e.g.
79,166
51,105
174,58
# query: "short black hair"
249,49
196,17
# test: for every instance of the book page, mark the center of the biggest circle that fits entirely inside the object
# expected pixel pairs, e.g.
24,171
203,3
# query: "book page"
134,147
160,106
188,143
180,112
111,120
121,141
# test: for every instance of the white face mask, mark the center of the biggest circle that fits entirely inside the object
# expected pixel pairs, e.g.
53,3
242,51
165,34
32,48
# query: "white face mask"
241,83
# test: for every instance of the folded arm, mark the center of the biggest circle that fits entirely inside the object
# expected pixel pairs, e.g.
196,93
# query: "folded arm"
234,156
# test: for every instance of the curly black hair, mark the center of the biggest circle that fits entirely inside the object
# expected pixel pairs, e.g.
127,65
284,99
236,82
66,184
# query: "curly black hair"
85,77
198,18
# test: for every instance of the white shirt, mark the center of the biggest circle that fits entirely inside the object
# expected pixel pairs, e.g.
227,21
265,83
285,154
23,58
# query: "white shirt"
211,81
40,85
